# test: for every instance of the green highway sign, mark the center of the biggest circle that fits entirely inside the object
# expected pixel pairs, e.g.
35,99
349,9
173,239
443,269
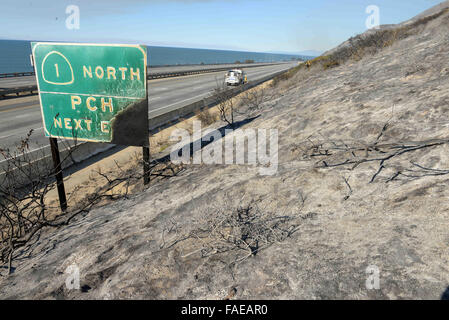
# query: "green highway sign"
93,92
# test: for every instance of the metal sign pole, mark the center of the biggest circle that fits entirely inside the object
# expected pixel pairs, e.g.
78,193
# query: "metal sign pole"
146,151
146,165
58,173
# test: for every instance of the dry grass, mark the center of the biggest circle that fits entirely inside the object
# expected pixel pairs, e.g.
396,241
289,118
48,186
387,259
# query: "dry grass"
359,47
287,75
375,41
206,117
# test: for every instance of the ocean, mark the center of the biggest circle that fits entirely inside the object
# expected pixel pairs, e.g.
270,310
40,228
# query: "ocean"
15,56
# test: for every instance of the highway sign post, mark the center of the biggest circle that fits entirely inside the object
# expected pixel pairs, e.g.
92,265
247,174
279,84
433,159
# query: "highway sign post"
58,173
93,92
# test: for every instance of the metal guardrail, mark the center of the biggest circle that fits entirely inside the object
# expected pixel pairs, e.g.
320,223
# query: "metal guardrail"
151,76
182,73
199,71
18,90
16,74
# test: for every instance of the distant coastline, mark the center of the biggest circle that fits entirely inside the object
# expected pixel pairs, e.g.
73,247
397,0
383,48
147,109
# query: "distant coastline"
14,56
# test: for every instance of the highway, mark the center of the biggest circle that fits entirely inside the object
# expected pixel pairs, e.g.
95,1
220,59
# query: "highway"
14,82
19,115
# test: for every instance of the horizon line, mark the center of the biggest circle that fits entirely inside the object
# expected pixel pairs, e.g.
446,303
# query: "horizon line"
169,46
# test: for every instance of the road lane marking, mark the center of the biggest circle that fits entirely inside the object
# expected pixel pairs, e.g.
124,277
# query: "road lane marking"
203,94
156,89
3,137
21,116
21,108
18,134
31,150
203,86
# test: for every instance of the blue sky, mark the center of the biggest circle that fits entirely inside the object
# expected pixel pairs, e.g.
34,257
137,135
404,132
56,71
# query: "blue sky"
262,25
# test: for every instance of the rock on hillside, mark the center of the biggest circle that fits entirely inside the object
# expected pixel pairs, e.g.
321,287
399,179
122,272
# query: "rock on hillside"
362,181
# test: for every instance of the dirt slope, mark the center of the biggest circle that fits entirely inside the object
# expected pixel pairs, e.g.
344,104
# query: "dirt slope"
427,13
348,208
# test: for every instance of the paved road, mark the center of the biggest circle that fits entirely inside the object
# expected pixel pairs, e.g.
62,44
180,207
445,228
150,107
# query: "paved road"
14,82
19,115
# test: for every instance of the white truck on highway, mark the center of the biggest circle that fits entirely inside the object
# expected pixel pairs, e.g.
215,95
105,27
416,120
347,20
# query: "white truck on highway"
235,77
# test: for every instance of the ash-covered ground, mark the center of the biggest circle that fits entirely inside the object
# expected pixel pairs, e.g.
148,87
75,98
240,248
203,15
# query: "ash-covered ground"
362,181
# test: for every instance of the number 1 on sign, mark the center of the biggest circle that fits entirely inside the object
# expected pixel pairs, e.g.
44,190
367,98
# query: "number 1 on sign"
57,70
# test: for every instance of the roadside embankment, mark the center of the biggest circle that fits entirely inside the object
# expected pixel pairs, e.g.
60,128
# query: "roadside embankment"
360,190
